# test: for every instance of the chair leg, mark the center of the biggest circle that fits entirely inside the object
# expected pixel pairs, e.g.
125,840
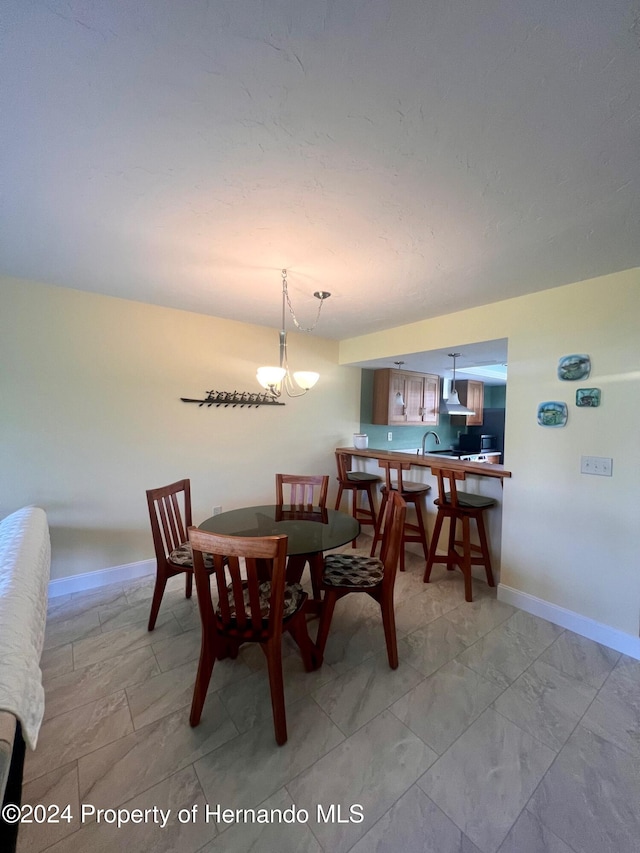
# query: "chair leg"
188,584
434,545
339,498
484,544
389,624
354,512
316,567
273,652
466,558
158,592
377,536
205,668
371,491
452,557
422,528
326,614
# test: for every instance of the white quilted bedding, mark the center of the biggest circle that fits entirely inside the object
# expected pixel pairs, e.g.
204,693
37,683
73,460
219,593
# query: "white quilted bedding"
25,558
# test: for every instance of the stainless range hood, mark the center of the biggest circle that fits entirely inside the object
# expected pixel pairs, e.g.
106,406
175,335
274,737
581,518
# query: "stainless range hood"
449,403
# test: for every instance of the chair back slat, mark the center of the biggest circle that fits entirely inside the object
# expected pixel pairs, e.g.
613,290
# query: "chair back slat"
302,490
170,515
447,490
253,589
395,516
397,467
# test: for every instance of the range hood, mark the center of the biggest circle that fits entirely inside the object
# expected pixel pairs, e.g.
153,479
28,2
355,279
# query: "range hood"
449,398
449,403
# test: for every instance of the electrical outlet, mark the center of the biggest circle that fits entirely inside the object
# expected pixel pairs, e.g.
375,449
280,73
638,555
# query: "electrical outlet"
217,510
600,465
389,436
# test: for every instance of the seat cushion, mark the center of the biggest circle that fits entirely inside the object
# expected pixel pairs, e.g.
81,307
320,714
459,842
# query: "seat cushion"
411,487
352,570
294,597
183,556
471,501
362,477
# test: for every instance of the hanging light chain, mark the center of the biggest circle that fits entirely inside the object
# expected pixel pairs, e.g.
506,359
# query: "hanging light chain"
321,295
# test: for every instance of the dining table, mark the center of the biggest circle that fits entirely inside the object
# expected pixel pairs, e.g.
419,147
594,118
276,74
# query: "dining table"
310,530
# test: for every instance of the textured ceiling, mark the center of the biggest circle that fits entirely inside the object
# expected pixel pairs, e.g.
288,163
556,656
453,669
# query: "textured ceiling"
413,157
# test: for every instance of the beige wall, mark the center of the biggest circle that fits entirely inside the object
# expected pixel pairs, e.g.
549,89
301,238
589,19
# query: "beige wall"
568,539
90,393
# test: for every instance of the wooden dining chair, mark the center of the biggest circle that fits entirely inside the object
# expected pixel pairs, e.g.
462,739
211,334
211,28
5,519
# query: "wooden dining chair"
347,573
248,611
170,515
305,491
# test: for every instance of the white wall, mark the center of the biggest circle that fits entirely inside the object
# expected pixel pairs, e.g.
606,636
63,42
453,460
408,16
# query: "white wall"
567,539
90,391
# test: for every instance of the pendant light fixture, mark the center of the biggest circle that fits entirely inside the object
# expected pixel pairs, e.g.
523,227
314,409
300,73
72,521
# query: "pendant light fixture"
279,379
399,397
454,406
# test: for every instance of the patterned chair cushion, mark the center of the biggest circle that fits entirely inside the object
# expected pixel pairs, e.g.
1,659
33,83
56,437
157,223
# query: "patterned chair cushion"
352,570
294,597
183,556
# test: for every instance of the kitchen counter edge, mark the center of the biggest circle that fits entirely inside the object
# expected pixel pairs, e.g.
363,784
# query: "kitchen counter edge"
479,469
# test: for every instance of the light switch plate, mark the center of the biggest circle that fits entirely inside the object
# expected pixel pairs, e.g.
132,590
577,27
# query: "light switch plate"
600,465
389,436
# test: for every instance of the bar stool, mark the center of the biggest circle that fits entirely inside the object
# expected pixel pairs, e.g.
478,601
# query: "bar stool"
460,506
411,492
356,482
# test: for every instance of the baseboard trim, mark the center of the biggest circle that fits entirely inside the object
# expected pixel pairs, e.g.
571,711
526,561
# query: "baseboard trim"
603,634
103,577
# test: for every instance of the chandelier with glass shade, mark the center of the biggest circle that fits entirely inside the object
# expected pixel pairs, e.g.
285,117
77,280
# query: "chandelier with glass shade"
278,379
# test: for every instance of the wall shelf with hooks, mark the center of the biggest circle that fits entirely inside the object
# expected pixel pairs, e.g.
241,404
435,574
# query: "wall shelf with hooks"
234,398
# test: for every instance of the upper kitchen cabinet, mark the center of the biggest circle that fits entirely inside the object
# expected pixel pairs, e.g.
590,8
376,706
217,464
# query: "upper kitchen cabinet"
471,394
401,397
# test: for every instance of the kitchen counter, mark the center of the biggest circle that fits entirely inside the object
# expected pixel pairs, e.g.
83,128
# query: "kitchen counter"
481,478
479,469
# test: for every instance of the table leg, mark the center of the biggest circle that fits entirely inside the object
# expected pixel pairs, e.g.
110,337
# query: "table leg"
295,568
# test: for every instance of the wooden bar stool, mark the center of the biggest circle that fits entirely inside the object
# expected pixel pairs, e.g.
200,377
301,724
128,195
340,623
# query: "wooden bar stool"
410,492
460,506
356,482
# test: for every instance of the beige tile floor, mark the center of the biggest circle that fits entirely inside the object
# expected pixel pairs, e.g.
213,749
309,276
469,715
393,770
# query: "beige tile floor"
499,731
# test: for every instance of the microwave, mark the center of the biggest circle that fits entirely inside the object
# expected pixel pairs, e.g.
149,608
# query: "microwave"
477,443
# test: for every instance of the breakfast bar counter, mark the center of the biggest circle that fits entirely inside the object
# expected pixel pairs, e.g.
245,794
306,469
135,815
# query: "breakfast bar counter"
478,469
481,478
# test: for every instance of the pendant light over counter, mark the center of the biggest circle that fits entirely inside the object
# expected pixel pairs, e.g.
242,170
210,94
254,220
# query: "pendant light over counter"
453,404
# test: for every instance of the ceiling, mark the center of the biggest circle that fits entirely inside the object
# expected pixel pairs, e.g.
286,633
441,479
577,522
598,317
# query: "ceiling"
413,158
485,360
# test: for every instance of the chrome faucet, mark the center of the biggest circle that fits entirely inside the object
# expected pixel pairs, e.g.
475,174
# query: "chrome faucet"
424,438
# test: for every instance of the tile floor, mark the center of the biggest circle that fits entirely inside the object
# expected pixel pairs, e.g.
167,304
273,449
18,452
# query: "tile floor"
498,732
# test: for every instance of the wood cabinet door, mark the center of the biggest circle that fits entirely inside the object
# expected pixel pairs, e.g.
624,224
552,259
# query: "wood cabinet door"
475,401
413,397
431,400
397,405
471,394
